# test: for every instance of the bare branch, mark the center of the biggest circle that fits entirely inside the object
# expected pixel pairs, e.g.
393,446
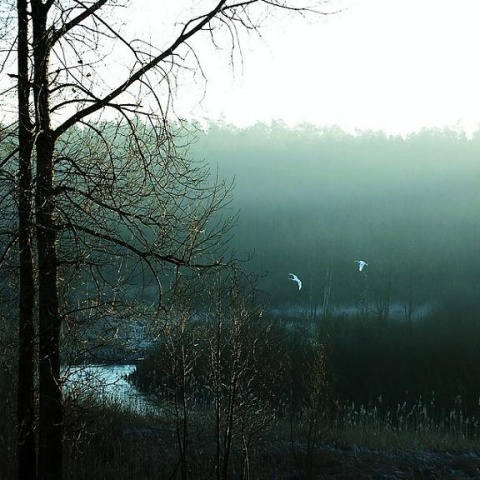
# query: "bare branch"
184,36
181,262
57,34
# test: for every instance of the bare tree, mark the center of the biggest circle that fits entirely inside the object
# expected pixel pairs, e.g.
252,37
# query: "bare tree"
57,48
242,372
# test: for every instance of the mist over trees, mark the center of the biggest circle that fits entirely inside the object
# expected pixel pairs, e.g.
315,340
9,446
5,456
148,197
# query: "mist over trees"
313,200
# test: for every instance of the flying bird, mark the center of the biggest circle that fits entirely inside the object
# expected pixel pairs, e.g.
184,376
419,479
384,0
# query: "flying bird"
361,264
296,279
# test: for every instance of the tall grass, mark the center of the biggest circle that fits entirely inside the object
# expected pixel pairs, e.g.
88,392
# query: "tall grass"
353,381
122,446
416,425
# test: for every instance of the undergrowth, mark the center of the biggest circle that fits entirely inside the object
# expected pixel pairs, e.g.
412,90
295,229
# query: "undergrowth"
354,382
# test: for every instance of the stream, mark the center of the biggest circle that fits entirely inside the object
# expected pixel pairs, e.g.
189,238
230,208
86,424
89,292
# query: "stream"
109,384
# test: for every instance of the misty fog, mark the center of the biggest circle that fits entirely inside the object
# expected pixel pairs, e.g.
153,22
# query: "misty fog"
312,201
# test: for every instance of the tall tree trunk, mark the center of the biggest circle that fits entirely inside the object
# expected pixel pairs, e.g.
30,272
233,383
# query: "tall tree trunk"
50,394
51,415
27,457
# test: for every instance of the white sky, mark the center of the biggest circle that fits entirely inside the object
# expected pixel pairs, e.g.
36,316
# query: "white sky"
392,65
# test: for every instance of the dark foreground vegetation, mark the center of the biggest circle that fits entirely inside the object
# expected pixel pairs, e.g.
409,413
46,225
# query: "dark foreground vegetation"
247,395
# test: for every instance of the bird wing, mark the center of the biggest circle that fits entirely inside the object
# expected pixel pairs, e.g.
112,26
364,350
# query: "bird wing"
296,279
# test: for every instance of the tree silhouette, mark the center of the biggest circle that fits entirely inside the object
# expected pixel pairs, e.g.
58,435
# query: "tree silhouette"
72,190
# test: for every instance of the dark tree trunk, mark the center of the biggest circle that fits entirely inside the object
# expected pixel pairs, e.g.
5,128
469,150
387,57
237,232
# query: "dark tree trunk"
50,394
27,459
51,416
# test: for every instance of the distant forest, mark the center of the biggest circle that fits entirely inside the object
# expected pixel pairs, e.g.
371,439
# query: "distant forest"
313,200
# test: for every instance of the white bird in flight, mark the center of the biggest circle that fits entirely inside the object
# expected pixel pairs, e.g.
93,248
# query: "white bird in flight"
361,264
296,279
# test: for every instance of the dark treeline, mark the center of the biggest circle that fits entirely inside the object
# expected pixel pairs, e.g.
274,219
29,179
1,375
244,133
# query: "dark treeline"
312,201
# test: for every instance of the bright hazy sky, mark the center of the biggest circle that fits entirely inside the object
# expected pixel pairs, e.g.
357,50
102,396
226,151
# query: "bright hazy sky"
393,65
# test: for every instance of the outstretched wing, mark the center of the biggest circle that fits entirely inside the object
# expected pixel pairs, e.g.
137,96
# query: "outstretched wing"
296,279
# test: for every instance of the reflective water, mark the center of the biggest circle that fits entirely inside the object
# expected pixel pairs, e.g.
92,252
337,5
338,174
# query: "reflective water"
108,384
